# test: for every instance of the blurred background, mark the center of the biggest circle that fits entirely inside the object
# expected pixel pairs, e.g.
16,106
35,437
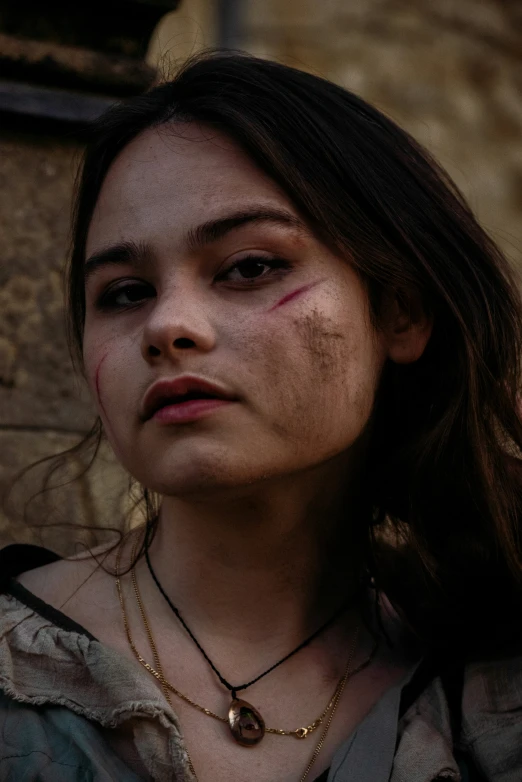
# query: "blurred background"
449,72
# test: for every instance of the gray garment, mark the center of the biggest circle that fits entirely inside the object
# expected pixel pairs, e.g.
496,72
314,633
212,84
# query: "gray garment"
53,744
368,753
73,709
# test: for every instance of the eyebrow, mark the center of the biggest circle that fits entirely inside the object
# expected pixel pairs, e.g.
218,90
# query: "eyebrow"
132,253
126,253
211,231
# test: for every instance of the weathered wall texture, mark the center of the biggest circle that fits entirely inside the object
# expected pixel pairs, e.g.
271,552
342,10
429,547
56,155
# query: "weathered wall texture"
35,184
44,409
450,73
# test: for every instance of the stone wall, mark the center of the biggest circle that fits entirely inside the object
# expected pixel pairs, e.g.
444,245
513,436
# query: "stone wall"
44,408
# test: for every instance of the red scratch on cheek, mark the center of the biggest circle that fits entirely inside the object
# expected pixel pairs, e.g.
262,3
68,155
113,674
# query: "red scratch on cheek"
98,395
97,381
292,295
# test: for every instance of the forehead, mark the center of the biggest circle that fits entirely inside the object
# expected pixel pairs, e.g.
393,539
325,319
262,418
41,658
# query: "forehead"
173,177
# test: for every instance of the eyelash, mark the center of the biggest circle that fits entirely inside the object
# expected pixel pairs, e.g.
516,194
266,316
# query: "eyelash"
107,301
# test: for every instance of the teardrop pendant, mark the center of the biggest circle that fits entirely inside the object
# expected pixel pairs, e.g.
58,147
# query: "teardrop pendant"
246,723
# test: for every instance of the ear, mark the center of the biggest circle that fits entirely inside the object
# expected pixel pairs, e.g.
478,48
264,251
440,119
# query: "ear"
406,327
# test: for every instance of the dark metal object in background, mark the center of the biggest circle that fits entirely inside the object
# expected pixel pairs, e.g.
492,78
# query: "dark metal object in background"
59,105
114,26
230,24
65,61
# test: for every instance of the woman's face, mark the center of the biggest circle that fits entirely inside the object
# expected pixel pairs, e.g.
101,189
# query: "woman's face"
211,272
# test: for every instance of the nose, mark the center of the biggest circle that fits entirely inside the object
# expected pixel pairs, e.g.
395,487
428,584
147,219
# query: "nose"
178,322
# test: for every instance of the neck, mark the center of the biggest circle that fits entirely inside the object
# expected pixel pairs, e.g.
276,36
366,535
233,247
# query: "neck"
282,555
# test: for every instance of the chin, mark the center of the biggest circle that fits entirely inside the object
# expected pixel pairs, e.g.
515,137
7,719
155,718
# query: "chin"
193,474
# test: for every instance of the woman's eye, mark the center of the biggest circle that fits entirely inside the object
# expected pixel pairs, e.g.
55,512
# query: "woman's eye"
123,296
253,269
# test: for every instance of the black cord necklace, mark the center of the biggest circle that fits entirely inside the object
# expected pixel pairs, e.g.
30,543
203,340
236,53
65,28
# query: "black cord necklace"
241,711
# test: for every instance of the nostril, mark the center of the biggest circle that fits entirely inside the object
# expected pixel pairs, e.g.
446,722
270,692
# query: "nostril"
183,342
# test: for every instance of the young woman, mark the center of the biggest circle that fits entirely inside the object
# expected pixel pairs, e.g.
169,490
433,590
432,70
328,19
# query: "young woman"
306,351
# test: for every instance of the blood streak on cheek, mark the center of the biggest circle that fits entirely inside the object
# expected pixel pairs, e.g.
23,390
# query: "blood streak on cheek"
293,295
97,382
98,395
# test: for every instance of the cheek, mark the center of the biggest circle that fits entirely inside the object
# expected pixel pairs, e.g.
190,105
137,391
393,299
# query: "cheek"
331,374
101,374
94,357
115,404
97,380
100,390
107,360
327,349
294,295
319,373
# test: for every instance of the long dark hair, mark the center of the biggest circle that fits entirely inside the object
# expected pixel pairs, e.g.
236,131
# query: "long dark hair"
444,469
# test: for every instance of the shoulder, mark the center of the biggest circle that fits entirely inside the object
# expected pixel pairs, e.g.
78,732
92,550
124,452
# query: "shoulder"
492,715
467,715
55,580
71,581
78,589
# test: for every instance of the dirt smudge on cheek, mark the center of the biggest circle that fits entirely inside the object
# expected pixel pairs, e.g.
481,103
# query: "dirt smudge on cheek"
341,368
298,361
318,384
327,349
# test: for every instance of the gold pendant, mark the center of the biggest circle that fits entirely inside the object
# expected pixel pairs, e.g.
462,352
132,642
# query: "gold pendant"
246,723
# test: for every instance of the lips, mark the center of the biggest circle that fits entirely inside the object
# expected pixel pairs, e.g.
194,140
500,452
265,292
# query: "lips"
181,389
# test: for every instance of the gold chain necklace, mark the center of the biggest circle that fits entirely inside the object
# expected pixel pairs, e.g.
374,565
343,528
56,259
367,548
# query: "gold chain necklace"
299,733
157,672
